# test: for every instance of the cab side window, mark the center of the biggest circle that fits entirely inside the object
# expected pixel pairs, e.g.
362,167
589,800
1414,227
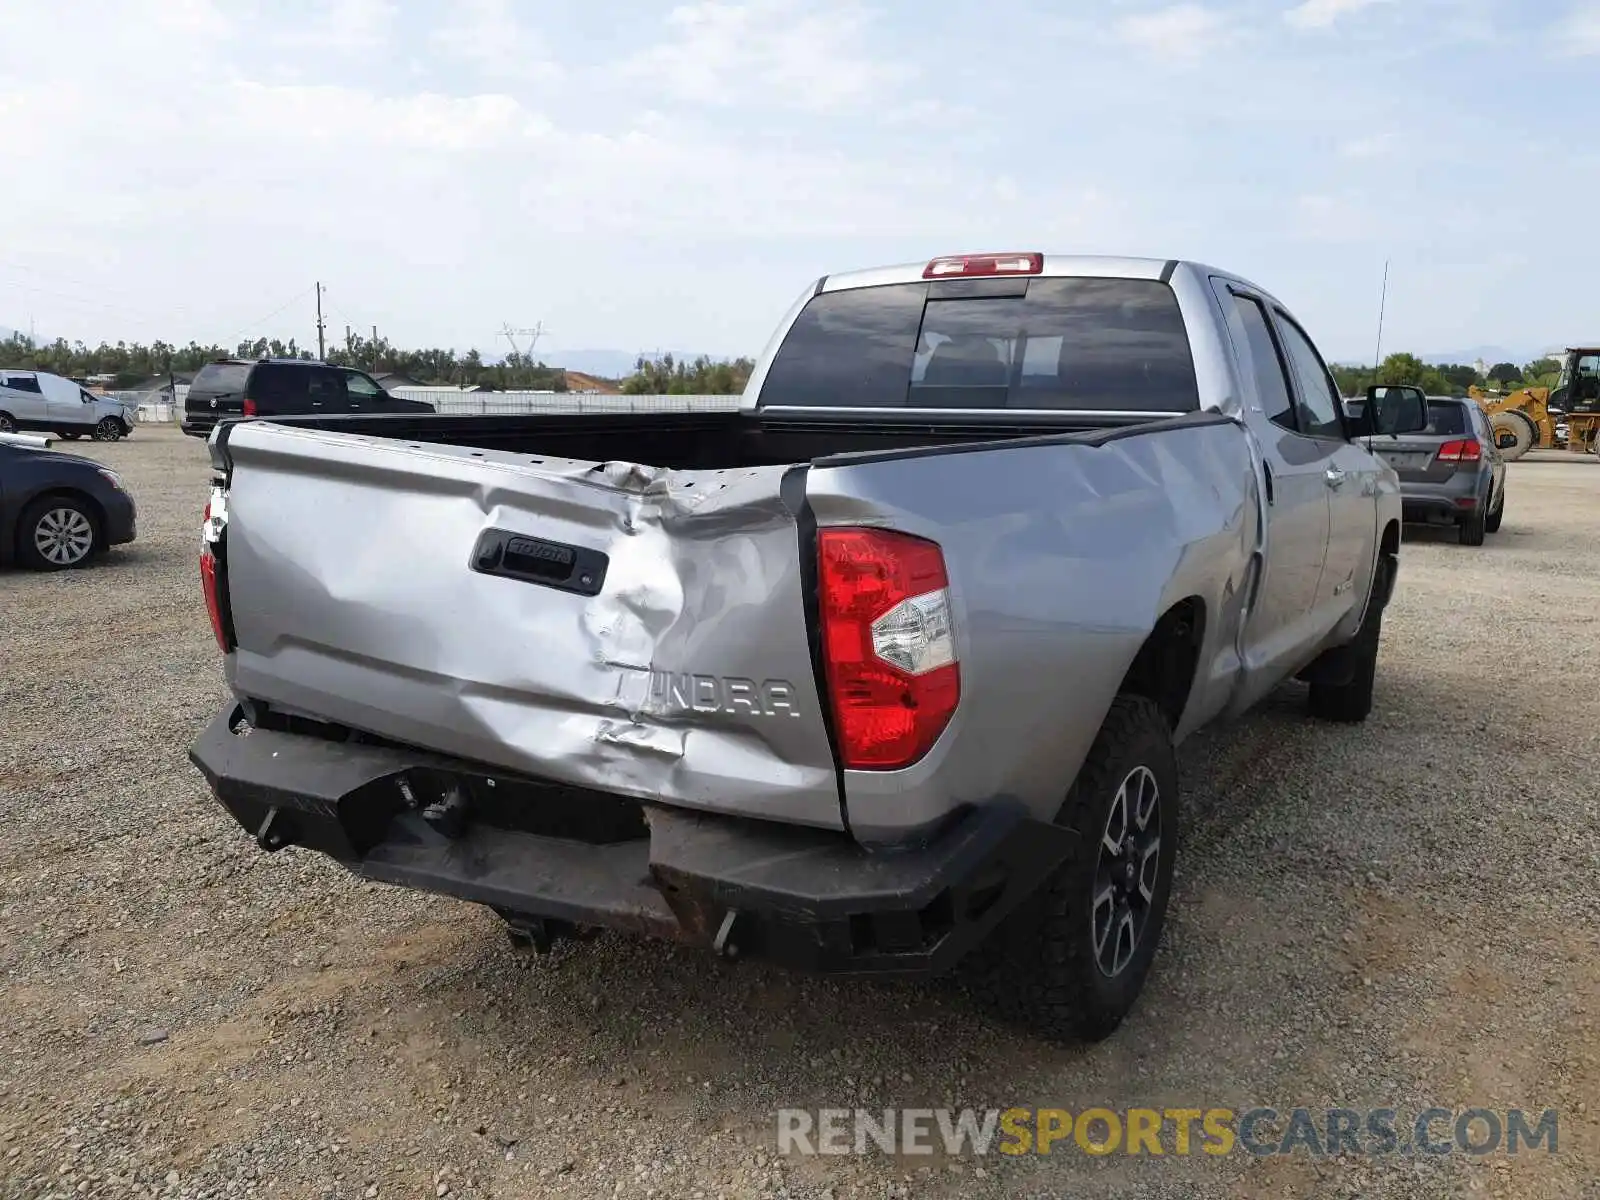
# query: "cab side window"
1318,402
1272,385
359,385
325,386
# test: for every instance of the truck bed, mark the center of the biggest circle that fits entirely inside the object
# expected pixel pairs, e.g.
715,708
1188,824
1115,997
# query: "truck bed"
637,616
698,441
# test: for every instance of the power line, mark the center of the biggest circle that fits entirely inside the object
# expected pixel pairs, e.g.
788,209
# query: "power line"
260,321
130,304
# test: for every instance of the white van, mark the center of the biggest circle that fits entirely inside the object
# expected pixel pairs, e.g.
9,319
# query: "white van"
48,403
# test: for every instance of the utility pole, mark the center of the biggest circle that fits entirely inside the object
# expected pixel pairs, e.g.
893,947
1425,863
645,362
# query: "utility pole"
374,349
349,344
321,349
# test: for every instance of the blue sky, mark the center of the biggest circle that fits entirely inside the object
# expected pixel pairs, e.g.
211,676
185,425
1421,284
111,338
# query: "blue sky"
641,175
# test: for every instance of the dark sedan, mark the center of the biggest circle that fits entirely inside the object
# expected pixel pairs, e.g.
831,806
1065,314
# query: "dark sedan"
59,510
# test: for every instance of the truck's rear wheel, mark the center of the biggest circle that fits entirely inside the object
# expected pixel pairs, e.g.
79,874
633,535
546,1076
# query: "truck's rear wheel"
1072,961
1349,699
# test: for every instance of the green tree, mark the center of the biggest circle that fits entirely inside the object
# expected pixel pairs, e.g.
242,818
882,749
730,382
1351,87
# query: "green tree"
1542,372
702,377
1504,373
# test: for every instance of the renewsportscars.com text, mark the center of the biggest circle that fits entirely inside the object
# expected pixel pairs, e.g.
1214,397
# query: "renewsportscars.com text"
1165,1131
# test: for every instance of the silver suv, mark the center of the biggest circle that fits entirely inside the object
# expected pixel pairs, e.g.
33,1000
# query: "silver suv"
46,403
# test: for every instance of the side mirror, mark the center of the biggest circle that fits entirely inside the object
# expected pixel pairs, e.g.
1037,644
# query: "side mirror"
1394,409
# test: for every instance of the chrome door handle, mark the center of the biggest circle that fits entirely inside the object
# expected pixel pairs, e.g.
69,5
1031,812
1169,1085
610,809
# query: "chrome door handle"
1335,477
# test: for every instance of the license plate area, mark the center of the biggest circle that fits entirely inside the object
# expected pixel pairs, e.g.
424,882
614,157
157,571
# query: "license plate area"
1407,462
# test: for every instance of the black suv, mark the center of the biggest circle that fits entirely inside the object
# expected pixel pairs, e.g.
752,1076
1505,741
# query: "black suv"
282,387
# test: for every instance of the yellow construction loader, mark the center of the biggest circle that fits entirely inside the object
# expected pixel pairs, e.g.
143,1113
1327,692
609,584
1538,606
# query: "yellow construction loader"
1530,417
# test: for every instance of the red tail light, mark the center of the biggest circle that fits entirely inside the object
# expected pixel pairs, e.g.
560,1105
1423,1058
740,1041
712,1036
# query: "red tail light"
956,265
887,645
249,408
209,583
1466,450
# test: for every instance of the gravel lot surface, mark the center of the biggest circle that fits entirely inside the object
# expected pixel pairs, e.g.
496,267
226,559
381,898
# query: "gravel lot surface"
1397,915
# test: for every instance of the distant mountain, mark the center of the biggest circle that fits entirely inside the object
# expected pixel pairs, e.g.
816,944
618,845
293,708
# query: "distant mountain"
1491,355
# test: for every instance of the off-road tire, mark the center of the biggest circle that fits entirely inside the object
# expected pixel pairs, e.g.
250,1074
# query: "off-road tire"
1040,970
1350,701
1520,426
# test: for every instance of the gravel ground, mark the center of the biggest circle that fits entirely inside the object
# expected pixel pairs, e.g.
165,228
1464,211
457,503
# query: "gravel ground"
1397,915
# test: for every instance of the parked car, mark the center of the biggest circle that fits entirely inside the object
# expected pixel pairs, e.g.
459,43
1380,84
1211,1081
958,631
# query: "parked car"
46,403
1452,472
58,510
274,387
885,666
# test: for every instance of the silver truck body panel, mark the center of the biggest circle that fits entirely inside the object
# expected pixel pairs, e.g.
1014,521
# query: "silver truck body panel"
1053,599
688,679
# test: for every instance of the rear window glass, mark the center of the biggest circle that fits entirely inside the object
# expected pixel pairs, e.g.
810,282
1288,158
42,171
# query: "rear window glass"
1445,417
221,379
1066,344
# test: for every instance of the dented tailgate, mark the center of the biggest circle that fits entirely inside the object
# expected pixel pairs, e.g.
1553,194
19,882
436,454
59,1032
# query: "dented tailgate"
614,626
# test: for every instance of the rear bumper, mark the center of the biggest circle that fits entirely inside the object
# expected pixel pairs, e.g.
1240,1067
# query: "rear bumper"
1450,501
804,898
199,429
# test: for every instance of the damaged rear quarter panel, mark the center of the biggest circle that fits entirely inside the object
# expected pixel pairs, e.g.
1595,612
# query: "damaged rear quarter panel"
688,678
1061,557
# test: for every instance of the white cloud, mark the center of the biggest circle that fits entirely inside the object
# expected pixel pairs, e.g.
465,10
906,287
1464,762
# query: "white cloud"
1322,14
1325,218
487,36
351,25
437,214
1579,33
192,18
785,53
1378,145
1183,32
334,115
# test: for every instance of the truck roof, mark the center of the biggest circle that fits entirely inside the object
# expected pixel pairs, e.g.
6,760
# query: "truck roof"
1103,266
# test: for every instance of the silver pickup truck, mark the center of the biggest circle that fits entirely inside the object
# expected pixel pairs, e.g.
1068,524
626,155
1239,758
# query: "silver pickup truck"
887,665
